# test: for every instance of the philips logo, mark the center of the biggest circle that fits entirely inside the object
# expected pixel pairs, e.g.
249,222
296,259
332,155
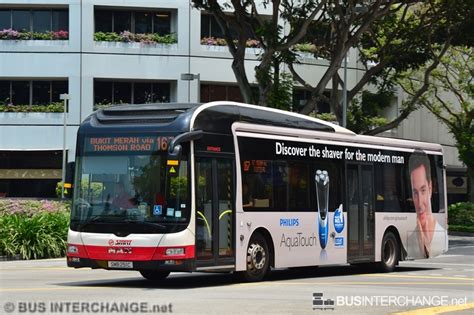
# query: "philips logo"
339,219
339,242
289,222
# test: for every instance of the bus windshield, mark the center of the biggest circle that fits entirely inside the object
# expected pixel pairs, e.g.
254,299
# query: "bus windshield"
130,192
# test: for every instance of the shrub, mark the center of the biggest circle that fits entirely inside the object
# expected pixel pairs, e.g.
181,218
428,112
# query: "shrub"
107,37
327,117
305,47
10,34
461,228
211,41
461,214
31,207
57,107
42,235
59,187
60,35
33,228
129,37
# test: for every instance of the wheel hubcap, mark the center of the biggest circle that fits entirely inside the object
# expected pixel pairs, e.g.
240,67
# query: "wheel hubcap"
256,257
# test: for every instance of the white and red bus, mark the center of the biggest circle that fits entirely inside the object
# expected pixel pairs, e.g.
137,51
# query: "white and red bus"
233,187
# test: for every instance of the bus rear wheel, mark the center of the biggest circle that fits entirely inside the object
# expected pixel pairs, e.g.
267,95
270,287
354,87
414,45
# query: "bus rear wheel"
390,253
257,260
154,275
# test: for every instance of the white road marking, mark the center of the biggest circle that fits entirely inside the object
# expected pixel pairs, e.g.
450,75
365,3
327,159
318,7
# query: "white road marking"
434,263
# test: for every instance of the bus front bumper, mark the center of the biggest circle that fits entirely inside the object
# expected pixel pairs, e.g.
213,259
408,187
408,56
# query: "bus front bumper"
165,265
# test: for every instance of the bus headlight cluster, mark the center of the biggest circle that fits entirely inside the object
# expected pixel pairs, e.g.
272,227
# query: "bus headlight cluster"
174,251
72,249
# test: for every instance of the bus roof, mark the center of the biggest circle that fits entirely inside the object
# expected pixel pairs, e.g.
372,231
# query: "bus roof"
220,116
209,117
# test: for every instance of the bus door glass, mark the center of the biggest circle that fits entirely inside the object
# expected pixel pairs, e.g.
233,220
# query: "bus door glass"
361,212
214,210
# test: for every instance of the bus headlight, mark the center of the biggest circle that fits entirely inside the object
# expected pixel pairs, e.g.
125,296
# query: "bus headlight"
72,249
174,251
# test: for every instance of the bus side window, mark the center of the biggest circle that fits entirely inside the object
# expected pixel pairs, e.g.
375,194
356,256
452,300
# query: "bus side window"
247,199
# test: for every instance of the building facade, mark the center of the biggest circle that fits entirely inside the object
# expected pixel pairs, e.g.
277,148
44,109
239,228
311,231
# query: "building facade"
103,52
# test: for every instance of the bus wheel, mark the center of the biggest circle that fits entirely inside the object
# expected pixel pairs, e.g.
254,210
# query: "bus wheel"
258,259
390,253
154,275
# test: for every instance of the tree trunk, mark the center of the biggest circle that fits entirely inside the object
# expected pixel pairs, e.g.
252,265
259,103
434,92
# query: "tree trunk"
239,71
335,105
470,184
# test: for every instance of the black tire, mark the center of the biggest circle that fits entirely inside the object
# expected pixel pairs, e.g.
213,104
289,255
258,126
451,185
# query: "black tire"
154,275
258,260
390,253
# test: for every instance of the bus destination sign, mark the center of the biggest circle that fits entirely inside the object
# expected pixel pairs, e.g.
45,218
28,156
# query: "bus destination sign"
127,144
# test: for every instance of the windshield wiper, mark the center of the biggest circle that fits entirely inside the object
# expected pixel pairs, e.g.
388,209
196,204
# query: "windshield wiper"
147,223
95,218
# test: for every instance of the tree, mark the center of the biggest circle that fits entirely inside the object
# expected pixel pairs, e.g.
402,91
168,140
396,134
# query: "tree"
333,26
409,36
393,37
237,18
340,28
450,98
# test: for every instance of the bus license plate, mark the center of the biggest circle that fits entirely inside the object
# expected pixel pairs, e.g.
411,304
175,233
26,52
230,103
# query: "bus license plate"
121,264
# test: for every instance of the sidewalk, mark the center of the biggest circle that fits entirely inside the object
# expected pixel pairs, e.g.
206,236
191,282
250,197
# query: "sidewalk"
455,240
455,233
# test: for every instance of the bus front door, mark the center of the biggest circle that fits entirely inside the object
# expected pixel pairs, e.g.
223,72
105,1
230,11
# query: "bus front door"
214,213
361,213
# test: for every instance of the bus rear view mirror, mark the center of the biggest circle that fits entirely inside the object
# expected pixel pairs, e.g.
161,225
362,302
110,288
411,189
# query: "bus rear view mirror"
175,149
69,180
175,154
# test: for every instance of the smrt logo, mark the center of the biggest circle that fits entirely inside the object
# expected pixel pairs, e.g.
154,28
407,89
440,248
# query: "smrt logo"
120,242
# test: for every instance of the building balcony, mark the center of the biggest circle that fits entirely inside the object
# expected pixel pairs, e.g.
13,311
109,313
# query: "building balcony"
31,118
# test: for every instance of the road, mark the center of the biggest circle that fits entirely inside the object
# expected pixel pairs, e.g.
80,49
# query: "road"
47,286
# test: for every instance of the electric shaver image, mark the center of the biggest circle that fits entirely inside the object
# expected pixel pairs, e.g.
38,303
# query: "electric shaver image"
322,197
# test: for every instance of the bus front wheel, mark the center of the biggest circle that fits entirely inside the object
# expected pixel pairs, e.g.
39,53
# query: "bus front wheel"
257,260
390,253
154,275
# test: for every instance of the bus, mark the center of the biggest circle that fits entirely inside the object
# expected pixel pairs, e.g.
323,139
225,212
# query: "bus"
231,187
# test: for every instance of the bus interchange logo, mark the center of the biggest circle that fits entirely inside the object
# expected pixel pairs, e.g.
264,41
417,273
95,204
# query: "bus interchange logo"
322,304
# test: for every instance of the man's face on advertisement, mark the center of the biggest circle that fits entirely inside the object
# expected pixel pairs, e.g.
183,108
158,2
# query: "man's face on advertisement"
421,191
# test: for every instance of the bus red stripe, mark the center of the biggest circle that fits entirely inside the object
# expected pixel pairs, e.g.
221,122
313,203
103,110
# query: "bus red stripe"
130,252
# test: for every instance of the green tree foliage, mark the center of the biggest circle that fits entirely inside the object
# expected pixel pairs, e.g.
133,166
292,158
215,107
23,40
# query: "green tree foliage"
450,97
238,19
415,38
365,112
410,36
392,37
